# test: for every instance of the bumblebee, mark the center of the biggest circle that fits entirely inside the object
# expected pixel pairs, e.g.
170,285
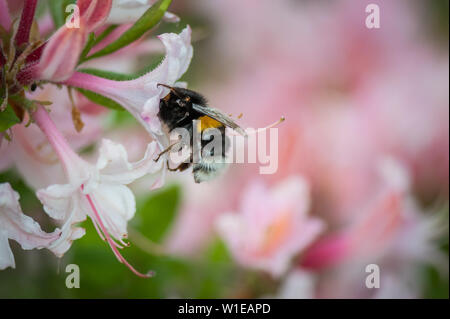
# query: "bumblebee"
182,108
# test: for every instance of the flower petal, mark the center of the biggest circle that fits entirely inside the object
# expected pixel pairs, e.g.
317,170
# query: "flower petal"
19,227
94,13
113,158
179,53
64,202
69,233
61,54
6,255
57,200
116,205
114,167
150,114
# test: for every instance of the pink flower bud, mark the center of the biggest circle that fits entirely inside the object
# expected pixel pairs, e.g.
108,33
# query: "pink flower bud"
61,54
93,13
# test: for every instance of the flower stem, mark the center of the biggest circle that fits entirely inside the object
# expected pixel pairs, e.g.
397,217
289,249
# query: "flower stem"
62,148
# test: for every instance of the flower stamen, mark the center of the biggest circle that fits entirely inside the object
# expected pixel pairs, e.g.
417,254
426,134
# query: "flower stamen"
260,130
111,242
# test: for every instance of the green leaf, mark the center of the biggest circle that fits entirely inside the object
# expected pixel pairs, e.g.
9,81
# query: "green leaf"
148,20
118,118
93,41
123,77
90,43
217,252
155,216
100,99
105,33
58,11
7,119
107,74
23,101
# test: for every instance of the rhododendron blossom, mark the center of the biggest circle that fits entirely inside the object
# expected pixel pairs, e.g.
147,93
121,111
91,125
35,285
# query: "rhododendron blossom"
98,191
272,226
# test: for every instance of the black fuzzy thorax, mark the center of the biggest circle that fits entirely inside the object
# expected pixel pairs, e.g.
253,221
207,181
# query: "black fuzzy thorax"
175,110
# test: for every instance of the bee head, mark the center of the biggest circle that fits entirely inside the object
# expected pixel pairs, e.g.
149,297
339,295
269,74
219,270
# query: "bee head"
183,102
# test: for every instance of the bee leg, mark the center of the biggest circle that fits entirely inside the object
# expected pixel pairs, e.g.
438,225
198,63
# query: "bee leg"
165,151
183,118
182,167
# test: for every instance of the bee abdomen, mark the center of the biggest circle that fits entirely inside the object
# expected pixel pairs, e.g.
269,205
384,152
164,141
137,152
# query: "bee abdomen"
207,170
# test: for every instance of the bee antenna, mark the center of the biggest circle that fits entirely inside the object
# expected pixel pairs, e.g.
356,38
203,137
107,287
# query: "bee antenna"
172,89
165,85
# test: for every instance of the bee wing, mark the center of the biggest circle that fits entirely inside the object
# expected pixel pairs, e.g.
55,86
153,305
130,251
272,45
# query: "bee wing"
219,116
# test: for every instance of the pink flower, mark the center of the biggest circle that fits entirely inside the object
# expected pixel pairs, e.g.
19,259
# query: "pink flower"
19,227
61,54
271,227
392,232
373,232
93,13
29,151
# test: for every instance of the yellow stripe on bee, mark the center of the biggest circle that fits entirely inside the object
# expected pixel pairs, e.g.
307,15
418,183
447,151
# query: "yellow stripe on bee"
206,122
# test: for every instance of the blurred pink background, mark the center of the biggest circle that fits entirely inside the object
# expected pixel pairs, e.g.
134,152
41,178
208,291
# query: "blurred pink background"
367,130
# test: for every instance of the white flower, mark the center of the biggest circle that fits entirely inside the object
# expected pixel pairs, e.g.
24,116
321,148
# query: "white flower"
126,11
19,227
141,97
99,192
